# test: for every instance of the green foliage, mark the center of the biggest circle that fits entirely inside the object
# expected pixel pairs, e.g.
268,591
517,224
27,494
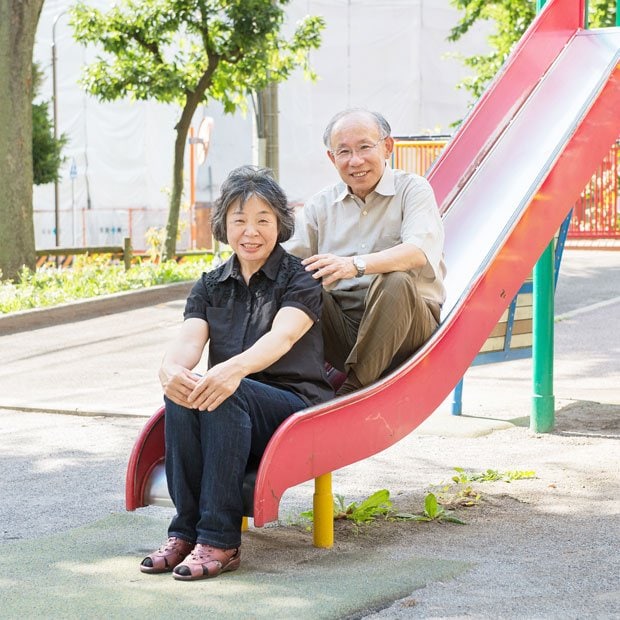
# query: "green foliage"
46,151
169,50
377,505
90,277
490,475
433,511
512,18
190,52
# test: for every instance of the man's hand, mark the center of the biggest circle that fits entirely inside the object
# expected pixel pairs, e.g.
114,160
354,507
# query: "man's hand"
216,386
330,267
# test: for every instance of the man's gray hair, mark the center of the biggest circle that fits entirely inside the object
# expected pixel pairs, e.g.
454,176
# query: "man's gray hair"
384,127
243,183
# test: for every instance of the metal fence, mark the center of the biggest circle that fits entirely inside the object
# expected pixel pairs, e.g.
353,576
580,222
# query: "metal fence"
417,154
596,215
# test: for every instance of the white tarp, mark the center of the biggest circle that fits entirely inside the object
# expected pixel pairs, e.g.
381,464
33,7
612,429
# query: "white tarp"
387,55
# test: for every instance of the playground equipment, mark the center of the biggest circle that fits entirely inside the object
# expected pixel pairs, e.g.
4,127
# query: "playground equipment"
504,183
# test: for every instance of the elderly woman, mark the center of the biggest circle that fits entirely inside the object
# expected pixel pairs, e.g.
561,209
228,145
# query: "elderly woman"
258,312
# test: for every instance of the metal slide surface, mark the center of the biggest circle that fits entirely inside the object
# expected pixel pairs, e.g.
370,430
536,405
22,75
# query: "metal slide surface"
503,214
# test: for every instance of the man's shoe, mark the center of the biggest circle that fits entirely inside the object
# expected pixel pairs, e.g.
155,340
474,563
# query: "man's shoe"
351,384
206,561
168,556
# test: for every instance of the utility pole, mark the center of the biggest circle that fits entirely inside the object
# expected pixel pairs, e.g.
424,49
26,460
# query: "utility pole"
267,128
55,114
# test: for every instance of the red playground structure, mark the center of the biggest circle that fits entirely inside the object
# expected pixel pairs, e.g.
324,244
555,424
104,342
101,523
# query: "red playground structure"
504,183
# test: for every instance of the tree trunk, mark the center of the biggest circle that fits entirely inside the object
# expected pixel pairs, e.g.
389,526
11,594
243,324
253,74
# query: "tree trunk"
18,24
172,227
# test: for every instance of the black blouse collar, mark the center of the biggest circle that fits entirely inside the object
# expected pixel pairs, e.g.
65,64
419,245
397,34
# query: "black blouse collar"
232,268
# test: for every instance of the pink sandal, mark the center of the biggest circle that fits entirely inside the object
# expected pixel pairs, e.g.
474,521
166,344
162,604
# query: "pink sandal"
169,555
206,561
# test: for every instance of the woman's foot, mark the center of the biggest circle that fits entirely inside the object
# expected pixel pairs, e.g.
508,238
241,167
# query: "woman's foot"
169,555
206,561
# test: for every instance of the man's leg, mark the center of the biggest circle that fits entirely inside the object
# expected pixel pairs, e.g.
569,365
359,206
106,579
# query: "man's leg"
339,332
397,321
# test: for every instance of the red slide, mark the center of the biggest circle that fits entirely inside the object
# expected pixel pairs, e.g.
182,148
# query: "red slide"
504,184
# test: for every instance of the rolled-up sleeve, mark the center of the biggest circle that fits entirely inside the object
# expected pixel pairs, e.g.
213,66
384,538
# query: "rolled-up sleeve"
422,225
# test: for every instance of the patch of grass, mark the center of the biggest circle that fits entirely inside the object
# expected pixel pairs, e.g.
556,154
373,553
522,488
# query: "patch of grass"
433,511
377,505
490,475
92,276
458,493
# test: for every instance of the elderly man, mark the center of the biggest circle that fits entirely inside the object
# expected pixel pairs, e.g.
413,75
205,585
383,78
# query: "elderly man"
376,241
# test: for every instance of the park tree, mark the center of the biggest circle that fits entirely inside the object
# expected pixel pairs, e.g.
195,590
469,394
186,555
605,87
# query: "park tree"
189,52
46,148
18,24
511,18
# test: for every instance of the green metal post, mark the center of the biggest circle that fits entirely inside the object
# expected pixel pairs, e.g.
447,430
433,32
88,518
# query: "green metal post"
543,401
542,417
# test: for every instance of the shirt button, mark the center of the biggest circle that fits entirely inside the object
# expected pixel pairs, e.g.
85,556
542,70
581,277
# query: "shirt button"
363,245
364,212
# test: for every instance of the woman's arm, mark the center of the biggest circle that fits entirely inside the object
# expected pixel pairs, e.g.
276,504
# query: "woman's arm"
175,373
288,326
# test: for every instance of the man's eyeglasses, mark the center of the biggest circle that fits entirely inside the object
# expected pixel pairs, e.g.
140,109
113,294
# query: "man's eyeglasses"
363,150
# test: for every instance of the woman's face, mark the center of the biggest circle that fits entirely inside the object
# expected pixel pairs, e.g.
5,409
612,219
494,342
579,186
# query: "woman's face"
252,232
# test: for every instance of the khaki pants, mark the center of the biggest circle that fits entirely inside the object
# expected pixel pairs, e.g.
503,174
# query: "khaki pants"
396,322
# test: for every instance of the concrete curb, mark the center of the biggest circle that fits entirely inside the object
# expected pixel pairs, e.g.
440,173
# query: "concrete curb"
82,310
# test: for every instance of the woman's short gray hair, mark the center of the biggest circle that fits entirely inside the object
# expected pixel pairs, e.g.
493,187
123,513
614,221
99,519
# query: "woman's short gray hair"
243,183
384,127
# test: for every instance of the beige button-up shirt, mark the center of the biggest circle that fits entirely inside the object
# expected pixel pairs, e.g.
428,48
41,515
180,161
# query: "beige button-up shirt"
401,209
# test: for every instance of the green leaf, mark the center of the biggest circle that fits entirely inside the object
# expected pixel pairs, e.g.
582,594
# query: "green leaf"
452,519
431,507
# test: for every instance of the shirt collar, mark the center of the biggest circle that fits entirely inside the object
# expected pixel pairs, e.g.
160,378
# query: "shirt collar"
232,268
385,186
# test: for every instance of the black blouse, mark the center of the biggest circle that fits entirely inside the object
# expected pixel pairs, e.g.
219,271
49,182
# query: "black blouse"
239,314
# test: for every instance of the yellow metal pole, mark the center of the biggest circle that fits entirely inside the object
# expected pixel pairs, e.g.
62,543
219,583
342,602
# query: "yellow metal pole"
244,524
323,505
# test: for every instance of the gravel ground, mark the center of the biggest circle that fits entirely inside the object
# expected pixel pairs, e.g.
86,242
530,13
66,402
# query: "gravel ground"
545,547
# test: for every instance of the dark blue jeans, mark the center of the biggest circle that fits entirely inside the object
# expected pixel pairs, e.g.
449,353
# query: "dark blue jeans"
207,454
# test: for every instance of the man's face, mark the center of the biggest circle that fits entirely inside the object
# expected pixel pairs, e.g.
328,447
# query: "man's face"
358,150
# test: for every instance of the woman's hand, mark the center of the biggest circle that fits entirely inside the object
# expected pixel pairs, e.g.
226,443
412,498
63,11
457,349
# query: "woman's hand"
178,385
216,386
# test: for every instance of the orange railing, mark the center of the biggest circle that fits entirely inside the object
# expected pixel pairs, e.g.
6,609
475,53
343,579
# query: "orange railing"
596,213
417,154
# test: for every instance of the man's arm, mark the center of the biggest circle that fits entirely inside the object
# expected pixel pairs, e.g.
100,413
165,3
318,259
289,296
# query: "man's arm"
175,373
288,326
304,241
402,257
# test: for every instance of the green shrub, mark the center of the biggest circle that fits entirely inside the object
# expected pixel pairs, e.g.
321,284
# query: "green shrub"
91,276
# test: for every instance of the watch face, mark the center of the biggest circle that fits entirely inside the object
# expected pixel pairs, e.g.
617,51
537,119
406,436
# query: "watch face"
360,265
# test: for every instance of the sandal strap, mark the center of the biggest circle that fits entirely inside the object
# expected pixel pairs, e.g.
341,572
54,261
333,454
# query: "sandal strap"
206,561
170,554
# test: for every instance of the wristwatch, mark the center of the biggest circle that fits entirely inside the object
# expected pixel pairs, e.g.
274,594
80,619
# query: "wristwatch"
360,265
